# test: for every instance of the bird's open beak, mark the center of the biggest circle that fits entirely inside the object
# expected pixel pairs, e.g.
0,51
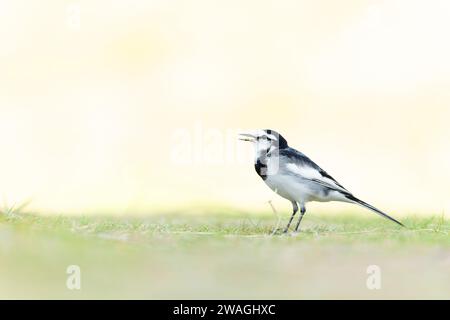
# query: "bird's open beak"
247,137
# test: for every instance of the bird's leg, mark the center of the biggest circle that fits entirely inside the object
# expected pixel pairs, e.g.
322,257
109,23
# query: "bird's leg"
302,212
295,208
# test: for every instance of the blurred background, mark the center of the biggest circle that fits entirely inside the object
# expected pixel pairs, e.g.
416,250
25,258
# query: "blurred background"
133,106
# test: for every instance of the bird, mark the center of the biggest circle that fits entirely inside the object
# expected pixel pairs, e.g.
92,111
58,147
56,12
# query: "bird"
295,177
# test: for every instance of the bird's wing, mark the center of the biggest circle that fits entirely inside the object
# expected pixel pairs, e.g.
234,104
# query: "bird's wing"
299,164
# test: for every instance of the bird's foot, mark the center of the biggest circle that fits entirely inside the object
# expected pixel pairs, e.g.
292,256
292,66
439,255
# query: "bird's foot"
283,232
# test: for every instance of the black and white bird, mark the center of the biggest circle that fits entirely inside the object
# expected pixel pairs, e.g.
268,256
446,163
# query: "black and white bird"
295,177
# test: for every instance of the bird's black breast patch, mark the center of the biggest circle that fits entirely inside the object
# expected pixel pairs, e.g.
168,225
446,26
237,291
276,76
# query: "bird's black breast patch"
261,169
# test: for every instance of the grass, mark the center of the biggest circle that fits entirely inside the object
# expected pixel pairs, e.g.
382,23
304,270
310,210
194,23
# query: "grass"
218,255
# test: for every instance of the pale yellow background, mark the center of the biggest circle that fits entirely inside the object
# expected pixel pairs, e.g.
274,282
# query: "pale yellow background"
89,115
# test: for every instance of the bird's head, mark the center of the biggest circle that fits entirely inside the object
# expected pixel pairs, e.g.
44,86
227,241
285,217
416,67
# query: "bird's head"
264,140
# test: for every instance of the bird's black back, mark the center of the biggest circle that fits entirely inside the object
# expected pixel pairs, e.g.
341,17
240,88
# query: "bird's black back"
302,160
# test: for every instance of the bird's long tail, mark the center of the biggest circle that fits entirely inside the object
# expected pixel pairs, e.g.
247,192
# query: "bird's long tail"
370,207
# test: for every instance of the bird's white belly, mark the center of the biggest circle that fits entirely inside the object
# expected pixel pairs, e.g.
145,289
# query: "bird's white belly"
291,189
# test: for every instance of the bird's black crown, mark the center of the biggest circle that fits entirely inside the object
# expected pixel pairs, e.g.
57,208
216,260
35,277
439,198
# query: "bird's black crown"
282,143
